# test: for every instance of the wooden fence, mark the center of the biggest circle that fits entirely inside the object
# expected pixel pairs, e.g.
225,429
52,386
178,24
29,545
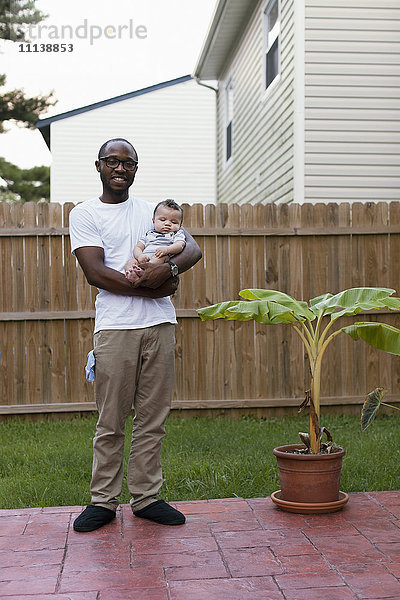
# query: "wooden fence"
46,306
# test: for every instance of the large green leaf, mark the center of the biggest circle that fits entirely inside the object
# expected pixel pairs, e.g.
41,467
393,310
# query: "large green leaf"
370,407
354,300
261,311
320,300
298,307
215,311
379,335
392,303
348,312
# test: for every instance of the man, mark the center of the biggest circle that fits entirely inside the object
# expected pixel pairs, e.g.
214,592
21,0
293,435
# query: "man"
133,341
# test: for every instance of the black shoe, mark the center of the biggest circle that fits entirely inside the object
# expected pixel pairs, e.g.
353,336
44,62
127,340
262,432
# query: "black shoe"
93,517
161,512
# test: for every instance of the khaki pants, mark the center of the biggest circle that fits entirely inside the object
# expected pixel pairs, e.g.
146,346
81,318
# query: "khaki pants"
134,368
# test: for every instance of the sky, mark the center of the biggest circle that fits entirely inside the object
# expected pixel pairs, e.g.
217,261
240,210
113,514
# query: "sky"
118,47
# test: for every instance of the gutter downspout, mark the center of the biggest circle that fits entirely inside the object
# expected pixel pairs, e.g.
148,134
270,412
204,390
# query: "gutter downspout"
197,80
204,84
299,108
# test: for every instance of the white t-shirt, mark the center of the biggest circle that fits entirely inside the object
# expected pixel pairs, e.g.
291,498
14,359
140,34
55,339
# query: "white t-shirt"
117,228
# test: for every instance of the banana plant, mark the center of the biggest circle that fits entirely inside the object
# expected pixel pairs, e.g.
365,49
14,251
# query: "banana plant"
314,323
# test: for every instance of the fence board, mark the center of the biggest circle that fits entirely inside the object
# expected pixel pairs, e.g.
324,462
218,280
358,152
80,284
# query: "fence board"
56,293
198,286
213,291
17,287
270,335
359,276
233,344
295,351
32,333
185,298
5,259
344,260
260,259
46,306
43,284
73,376
248,260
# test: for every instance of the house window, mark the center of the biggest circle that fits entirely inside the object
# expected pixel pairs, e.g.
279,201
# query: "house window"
272,30
228,120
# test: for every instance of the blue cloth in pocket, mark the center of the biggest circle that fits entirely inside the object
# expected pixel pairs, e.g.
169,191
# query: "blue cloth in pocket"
90,365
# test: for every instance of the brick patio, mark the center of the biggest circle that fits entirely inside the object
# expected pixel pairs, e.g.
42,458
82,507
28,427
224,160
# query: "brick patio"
231,549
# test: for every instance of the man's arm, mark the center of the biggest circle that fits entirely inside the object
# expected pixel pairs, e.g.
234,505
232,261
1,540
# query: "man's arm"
190,255
91,259
154,275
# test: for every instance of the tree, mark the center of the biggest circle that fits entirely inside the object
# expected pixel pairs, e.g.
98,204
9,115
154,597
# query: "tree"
14,104
16,13
24,185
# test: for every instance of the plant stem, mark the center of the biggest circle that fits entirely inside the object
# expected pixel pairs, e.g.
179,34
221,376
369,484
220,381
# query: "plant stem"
315,362
390,406
324,332
315,365
318,325
306,339
315,438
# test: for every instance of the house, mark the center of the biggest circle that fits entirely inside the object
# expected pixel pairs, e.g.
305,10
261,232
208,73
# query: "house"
171,125
308,99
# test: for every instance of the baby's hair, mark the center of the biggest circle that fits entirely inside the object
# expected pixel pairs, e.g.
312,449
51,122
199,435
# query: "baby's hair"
169,203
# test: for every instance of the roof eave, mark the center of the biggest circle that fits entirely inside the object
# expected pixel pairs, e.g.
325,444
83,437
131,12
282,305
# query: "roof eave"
200,68
228,22
44,129
43,124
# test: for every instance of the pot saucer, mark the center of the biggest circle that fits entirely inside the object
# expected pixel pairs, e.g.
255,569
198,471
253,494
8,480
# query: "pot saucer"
309,507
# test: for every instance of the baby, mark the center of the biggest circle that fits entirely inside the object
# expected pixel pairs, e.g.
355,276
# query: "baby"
160,243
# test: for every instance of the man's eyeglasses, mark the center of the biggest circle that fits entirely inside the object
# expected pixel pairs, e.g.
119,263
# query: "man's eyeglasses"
113,163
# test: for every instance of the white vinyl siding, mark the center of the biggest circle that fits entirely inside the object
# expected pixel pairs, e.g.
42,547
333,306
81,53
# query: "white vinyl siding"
173,131
262,165
352,107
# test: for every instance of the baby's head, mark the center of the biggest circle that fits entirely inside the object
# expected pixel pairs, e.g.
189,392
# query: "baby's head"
167,216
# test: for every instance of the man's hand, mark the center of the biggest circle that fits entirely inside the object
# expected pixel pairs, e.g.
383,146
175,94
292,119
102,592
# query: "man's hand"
153,275
91,259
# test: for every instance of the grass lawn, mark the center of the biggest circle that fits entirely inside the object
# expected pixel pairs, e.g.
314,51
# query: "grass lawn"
48,463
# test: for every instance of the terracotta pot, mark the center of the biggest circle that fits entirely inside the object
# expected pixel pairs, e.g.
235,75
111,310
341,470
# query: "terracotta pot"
309,478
